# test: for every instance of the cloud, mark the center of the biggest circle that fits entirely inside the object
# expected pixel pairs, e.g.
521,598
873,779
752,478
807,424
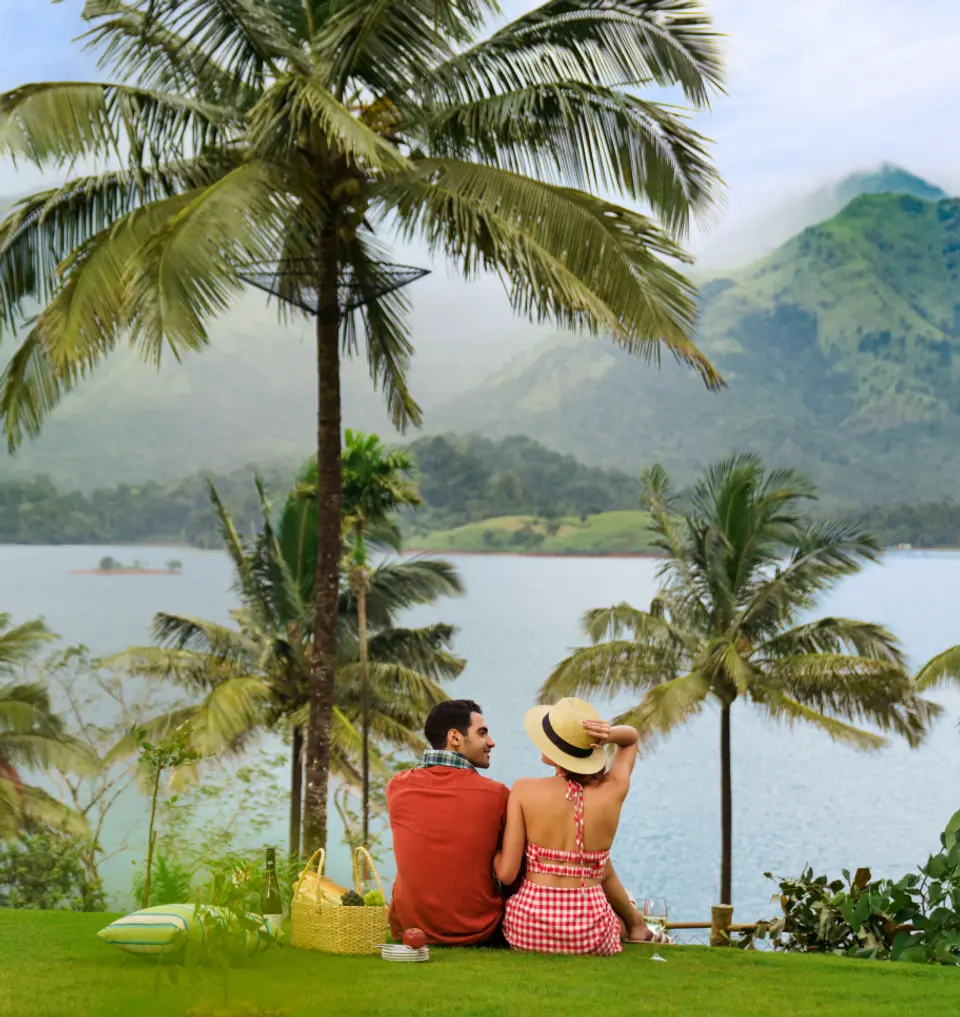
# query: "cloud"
819,89
815,90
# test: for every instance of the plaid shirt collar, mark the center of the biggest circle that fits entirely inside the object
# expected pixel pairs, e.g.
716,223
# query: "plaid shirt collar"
441,757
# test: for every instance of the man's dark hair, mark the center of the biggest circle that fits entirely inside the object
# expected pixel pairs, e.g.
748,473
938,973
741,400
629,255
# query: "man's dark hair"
453,713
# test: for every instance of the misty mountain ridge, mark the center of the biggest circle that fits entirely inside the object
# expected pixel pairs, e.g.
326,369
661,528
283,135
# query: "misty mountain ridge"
250,397
739,243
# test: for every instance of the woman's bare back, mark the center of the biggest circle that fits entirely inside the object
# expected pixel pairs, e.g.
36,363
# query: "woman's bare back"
548,815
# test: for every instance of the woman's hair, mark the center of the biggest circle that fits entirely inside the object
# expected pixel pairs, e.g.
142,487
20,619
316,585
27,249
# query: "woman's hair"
584,779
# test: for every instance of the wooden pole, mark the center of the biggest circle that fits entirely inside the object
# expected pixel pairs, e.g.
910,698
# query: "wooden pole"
721,918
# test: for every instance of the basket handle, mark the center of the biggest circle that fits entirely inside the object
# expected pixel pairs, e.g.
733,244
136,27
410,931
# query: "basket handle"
356,870
320,854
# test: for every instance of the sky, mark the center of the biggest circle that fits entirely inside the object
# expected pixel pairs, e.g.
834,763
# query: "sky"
815,90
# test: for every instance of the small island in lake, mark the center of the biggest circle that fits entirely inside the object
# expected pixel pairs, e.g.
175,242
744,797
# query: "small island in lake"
111,567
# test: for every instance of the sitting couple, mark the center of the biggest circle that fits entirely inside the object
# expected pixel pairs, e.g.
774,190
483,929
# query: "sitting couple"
453,831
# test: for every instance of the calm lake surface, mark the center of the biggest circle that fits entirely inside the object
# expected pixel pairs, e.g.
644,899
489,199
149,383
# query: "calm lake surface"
798,798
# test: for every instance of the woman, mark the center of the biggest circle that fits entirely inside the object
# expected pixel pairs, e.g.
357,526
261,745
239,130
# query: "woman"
565,826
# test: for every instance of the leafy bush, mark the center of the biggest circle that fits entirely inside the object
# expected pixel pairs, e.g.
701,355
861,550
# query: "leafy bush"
45,870
916,918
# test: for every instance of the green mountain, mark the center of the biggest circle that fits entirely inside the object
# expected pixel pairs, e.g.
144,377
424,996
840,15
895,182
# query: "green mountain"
744,241
841,351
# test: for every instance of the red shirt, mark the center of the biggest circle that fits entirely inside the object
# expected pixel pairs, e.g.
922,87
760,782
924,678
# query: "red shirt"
446,825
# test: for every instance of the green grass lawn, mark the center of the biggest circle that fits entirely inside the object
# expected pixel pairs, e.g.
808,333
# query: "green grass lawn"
605,533
52,965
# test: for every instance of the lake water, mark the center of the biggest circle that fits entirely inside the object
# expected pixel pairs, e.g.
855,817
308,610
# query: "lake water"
798,798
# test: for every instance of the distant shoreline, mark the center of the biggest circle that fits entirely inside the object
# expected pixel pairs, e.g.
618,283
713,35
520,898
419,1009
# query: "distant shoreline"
123,572
620,554
532,554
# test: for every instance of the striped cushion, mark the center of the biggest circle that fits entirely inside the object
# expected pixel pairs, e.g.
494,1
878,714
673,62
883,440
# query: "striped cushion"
168,928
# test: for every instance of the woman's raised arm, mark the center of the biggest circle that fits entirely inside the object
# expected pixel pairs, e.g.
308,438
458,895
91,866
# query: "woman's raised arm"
625,739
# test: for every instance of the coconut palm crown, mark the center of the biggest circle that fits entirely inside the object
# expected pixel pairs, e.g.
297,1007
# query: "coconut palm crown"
300,136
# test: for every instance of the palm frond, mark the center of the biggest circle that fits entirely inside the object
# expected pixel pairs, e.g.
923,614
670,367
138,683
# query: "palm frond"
19,644
425,650
245,577
783,707
155,730
562,255
939,670
622,619
182,632
81,324
608,669
390,683
41,230
398,584
596,139
56,123
134,43
40,807
228,717
48,749
383,320
611,42
294,104
384,46
855,688
833,635
244,39
824,554
666,706
189,269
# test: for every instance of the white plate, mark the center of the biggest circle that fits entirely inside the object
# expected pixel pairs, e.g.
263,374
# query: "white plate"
404,954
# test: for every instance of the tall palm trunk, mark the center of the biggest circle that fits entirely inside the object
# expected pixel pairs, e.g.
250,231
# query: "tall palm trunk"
361,584
328,541
296,791
726,810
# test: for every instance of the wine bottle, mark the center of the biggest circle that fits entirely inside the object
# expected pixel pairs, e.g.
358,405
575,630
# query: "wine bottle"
271,907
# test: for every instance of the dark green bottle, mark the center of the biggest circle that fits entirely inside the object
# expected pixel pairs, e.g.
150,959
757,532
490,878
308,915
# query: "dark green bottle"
271,906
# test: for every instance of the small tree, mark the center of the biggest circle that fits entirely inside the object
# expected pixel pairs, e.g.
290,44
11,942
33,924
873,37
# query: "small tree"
174,567
100,704
108,564
375,485
168,755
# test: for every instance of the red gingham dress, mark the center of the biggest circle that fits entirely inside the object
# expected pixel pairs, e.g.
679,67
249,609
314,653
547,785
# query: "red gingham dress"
563,919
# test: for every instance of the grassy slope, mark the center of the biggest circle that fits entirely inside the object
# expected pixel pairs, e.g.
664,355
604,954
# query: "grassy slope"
52,965
605,533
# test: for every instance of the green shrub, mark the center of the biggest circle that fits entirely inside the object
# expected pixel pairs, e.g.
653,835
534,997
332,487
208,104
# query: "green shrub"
916,918
45,870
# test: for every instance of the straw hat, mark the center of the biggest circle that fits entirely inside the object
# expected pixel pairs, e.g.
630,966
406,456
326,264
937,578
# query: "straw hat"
558,732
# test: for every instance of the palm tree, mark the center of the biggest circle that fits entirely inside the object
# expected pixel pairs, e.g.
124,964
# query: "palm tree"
739,571
32,736
284,133
254,675
374,487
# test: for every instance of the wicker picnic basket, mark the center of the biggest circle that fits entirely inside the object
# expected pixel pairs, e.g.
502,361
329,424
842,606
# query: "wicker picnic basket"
318,924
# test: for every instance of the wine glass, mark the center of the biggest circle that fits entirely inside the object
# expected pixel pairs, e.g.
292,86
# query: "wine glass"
655,914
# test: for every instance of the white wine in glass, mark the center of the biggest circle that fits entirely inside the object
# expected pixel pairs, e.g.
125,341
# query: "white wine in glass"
655,914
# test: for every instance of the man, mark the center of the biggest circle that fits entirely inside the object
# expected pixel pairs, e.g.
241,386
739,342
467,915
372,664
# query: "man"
447,822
